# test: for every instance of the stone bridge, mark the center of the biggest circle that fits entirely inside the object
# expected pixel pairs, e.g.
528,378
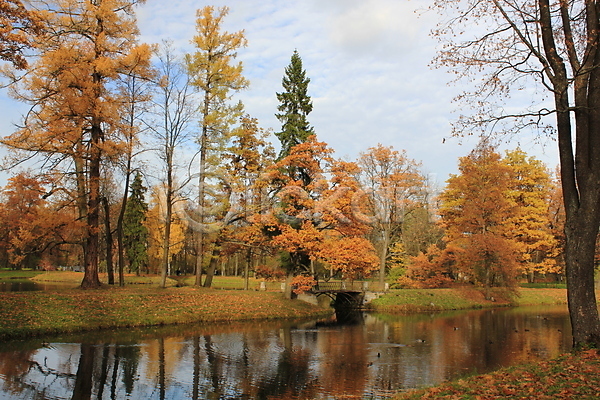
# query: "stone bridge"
347,294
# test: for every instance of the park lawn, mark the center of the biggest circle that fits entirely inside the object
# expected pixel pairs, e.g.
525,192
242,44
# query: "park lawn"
219,282
9,275
571,376
73,310
462,298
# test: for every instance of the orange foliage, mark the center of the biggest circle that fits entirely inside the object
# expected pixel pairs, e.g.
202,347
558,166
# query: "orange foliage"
268,274
32,225
428,270
313,214
303,283
476,208
354,256
18,27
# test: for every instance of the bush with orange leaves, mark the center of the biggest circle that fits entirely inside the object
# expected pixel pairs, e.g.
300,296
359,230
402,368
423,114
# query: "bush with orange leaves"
426,271
268,274
303,284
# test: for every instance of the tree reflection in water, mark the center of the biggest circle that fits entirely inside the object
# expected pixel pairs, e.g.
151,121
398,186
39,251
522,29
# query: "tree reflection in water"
354,356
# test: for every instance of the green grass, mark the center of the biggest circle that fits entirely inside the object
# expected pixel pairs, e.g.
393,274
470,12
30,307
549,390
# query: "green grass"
544,285
219,282
421,300
73,310
8,275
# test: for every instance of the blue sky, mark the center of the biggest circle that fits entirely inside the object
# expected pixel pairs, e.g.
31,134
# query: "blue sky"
368,61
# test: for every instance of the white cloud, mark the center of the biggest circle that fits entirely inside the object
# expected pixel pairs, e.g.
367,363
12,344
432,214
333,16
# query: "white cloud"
368,64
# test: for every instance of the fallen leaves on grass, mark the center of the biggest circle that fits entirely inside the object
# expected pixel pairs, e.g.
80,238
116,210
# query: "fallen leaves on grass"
571,376
78,310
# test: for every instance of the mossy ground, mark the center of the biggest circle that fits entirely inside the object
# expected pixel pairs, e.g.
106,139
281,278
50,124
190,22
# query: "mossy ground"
461,298
73,310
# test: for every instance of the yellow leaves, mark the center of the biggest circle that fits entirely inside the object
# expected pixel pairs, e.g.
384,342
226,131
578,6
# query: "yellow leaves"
155,222
353,256
303,284
211,67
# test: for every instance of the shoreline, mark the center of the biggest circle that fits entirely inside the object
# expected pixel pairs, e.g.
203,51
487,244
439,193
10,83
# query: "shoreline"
38,313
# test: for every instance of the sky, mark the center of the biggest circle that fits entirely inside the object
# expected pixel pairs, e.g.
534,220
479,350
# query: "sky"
369,66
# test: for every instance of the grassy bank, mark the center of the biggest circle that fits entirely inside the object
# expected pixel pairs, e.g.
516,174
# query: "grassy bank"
423,300
73,310
572,376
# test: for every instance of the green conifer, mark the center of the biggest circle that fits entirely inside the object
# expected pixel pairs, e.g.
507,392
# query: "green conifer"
294,108
135,233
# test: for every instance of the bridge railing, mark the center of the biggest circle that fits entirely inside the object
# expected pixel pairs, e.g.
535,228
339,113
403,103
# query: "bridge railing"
359,286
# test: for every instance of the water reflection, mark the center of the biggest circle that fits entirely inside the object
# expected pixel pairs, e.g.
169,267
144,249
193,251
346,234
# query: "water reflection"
371,357
29,286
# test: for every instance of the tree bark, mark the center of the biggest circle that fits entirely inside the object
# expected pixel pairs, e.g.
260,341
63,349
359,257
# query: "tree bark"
109,243
579,166
120,245
166,245
212,266
90,277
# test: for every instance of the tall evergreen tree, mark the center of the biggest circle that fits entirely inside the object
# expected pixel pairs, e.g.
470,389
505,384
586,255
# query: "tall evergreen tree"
294,108
134,231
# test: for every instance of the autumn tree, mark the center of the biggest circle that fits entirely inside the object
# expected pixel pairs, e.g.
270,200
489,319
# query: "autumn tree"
18,28
554,47
315,221
173,111
476,210
247,158
530,189
135,233
33,227
215,75
157,230
135,95
74,122
394,186
295,105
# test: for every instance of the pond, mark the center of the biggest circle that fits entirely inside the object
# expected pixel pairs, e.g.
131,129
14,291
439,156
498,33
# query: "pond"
357,356
25,285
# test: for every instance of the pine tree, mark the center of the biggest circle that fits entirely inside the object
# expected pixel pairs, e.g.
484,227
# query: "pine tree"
295,106
134,231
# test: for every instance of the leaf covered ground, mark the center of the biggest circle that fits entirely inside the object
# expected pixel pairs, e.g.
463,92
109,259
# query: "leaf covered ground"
571,376
72,310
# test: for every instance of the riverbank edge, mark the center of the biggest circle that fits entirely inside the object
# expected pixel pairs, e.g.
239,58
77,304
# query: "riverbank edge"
27,314
408,301
39,313
569,376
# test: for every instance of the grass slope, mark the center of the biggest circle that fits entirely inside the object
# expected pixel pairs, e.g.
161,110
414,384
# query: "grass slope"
72,310
571,376
422,300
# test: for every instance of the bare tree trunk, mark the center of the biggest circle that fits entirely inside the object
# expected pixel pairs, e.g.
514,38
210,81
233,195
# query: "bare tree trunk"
201,194
580,249
90,277
288,285
383,257
247,269
210,273
120,246
166,245
109,243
